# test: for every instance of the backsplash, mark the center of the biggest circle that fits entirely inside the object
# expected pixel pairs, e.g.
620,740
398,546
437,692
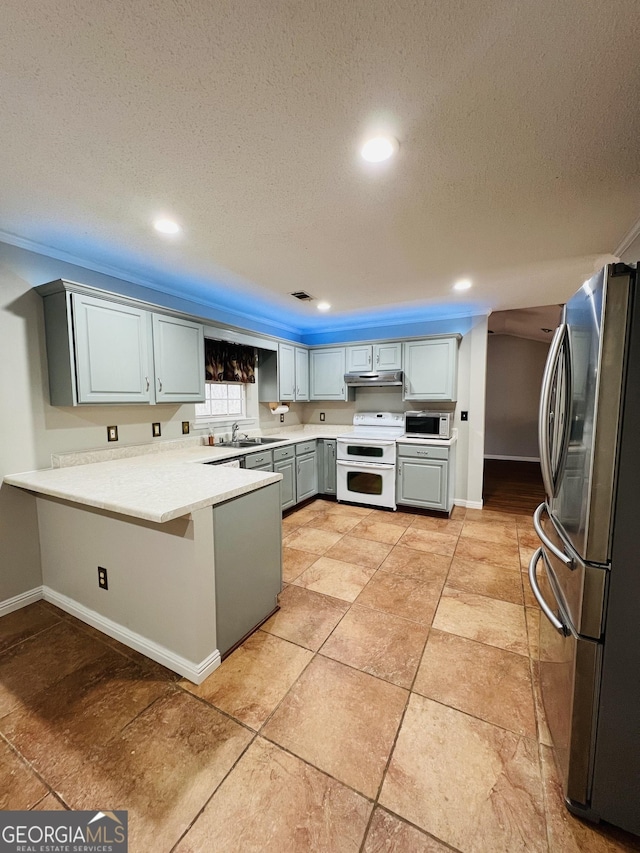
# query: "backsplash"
84,457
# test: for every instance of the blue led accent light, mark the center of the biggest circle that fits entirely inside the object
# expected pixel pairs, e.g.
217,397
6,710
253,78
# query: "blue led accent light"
226,302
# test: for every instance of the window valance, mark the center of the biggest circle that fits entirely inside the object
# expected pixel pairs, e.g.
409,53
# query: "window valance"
227,362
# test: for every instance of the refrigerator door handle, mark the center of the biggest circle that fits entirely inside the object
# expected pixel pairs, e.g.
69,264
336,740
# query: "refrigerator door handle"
560,627
567,561
557,350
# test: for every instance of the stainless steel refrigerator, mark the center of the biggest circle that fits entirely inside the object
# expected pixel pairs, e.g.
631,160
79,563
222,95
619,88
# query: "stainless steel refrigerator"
586,573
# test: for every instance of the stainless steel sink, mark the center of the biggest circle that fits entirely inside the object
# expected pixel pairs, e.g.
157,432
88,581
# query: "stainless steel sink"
249,442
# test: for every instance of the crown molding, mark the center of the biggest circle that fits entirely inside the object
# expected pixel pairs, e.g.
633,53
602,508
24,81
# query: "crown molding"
115,272
628,239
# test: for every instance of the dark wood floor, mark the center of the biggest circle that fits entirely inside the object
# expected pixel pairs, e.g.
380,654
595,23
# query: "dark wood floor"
512,486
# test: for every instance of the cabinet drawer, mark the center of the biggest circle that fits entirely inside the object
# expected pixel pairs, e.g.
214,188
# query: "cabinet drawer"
305,447
280,453
256,460
415,451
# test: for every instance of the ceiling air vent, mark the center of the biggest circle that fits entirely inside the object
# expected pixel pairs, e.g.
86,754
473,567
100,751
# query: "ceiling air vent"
302,296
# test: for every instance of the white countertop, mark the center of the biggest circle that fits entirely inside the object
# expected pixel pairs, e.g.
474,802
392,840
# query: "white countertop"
433,442
159,486
156,486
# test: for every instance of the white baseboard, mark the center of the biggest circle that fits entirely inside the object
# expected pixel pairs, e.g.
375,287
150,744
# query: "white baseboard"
21,600
467,504
195,672
514,458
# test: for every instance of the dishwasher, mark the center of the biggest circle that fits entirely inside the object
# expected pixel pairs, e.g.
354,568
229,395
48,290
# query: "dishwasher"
236,462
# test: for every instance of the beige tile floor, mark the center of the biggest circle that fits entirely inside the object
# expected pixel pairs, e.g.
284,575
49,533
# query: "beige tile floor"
390,706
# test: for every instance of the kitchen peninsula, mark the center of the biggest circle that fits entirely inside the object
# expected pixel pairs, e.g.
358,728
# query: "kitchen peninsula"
192,552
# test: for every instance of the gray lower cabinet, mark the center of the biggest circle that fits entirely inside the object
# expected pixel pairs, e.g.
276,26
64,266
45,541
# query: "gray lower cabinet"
262,461
299,468
326,451
288,493
306,470
284,463
247,543
424,477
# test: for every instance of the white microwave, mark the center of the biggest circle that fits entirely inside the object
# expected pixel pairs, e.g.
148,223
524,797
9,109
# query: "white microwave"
428,424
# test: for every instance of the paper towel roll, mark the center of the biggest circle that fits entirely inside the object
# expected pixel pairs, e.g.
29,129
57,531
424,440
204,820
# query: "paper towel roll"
278,408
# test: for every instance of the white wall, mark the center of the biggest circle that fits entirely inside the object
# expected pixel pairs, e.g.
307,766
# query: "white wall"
514,376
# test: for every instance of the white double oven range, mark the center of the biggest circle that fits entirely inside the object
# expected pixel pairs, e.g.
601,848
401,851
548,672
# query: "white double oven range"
366,459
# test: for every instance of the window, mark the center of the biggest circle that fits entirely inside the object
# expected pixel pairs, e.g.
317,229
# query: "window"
223,401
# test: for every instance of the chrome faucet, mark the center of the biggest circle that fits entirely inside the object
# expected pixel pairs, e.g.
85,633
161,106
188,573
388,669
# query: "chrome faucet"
234,432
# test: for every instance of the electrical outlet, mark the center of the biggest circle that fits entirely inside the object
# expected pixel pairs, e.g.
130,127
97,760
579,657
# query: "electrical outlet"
321,416
464,416
112,433
281,419
103,583
155,430
185,427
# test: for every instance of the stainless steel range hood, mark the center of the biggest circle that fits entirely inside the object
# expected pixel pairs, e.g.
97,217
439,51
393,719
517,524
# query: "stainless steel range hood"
383,377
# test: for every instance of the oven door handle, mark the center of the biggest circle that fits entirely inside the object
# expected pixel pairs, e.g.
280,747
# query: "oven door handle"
368,466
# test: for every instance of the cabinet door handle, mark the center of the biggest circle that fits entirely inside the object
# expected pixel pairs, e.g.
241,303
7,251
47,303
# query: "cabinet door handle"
147,378
378,359
159,385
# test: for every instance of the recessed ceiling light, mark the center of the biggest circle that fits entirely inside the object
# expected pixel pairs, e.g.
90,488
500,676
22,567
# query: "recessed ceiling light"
166,226
323,306
548,331
379,148
462,284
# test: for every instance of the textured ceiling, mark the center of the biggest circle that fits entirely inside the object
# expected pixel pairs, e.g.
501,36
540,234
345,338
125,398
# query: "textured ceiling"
536,323
518,164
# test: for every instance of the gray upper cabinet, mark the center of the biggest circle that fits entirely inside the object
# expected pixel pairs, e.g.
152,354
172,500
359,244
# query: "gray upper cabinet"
115,351
326,374
302,374
178,354
431,369
283,374
387,356
367,357
359,358
286,372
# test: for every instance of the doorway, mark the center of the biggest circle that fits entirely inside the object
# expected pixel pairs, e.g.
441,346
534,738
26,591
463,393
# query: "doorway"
516,354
